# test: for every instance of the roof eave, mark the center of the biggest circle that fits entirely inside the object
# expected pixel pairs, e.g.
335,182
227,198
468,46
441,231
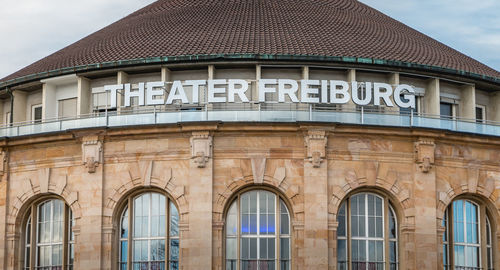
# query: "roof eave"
282,57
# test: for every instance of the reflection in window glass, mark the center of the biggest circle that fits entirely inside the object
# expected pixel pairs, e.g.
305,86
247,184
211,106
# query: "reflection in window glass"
149,242
466,246
50,234
366,239
257,236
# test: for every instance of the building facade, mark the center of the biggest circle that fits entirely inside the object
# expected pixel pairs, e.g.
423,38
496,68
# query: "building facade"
224,135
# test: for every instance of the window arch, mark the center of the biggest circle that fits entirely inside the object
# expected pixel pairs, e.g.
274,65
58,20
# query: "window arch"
48,236
368,229
258,232
467,238
149,233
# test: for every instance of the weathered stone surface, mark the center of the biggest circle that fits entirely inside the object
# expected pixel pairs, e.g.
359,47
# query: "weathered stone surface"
277,158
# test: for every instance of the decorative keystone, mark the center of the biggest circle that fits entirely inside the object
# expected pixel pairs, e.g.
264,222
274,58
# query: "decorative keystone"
424,154
315,142
91,152
201,148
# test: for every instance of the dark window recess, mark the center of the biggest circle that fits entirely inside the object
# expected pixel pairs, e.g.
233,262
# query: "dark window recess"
37,114
446,110
479,115
407,110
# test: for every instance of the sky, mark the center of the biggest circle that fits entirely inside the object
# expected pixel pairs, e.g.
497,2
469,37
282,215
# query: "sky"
33,29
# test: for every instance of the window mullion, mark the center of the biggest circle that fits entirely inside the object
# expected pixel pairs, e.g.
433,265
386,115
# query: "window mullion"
277,232
33,241
348,230
167,234
65,238
238,234
366,231
130,243
465,230
149,228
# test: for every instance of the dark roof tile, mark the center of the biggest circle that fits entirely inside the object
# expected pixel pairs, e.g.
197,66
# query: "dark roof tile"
284,27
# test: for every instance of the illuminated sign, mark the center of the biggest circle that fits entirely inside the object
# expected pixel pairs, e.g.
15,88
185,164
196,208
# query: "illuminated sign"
269,90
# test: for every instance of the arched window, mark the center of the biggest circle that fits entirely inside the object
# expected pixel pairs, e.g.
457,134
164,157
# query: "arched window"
48,236
368,228
465,224
258,232
150,222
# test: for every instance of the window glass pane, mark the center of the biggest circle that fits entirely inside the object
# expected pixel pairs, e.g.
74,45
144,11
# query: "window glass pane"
124,224
341,250
271,248
253,248
174,249
123,251
459,255
285,219
231,248
284,248
341,219
174,220
245,248
392,225
263,248
392,251
445,109
232,220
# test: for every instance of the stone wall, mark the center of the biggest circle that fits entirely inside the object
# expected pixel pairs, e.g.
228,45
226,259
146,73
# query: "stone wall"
202,167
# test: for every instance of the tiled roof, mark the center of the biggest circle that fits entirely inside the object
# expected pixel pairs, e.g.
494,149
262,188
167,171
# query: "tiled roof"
345,28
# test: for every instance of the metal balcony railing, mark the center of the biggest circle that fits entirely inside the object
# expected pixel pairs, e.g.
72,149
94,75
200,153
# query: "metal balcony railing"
278,112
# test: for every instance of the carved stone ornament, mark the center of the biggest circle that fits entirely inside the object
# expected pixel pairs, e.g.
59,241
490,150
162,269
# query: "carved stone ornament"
3,161
91,152
424,154
201,148
315,141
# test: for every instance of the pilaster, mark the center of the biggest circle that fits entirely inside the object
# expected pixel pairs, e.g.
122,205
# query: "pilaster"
426,244
198,243
468,102
315,200
432,97
89,252
4,186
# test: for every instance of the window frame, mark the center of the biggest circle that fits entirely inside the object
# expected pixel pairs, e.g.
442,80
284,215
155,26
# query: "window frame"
127,205
33,108
277,236
386,207
483,218
483,114
32,220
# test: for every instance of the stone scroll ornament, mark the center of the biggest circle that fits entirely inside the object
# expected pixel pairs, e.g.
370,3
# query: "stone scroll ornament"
91,152
201,148
424,154
315,142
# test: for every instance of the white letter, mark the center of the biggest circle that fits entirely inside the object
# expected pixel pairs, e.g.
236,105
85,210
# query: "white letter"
410,97
294,87
306,91
196,88
151,93
324,91
263,90
177,86
129,94
212,90
386,95
232,91
343,91
112,89
368,93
